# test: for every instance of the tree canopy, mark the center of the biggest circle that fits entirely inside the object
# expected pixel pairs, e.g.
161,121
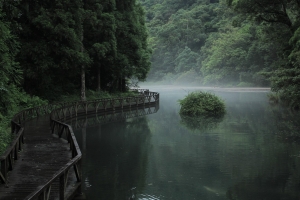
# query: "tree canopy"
226,42
106,41
53,49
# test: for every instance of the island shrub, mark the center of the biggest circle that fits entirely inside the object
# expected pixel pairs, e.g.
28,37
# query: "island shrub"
202,104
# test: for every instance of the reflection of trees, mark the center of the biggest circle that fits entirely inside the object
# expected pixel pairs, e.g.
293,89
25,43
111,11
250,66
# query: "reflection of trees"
264,168
108,117
116,159
201,123
287,124
272,189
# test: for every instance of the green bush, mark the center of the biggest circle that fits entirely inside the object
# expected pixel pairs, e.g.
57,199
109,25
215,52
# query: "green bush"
202,104
245,84
5,136
13,101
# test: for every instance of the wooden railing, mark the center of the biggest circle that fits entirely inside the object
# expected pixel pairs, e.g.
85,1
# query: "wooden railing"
66,189
59,112
107,104
11,154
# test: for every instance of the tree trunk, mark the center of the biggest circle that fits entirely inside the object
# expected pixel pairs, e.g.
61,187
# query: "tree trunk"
120,84
99,79
83,97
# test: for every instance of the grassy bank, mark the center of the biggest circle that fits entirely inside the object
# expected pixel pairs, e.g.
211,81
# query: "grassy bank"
5,136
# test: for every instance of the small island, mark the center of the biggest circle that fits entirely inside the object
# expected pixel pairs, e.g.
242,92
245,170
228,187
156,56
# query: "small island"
198,104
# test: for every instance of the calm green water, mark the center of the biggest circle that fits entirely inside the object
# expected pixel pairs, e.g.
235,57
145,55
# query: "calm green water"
253,153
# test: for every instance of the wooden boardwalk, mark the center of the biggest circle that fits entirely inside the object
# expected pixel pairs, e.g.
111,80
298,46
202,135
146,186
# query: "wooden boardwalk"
42,156
48,166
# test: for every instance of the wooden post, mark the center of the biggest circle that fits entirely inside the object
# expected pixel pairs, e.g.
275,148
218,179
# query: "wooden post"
3,170
122,103
10,161
62,184
112,103
78,173
99,78
16,150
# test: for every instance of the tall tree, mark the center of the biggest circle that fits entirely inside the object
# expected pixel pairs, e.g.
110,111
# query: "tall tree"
51,56
133,53
283,17
100,39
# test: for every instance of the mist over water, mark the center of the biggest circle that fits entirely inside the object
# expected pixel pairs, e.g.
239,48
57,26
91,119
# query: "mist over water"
249,154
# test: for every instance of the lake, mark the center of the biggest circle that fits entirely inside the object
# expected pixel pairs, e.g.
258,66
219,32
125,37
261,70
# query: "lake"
252,153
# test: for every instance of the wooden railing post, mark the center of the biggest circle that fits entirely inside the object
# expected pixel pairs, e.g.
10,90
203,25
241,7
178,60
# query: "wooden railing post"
62,185
4,170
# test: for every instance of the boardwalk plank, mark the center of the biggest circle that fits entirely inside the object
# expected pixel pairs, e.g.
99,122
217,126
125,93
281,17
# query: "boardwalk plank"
42,155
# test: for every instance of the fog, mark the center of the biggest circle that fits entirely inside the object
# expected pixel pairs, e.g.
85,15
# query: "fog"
162,88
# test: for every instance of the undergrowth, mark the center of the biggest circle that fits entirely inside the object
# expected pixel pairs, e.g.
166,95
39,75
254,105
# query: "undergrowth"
93,95
5,136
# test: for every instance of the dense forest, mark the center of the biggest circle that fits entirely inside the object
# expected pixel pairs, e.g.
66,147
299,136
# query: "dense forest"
226,42
52,49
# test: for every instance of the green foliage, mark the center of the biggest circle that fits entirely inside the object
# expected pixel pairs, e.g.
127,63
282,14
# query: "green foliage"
245,84
202,104
44,46
274,98
231,42
92,95
189,77
5,136
239,54
133,53
15,101
280,21
186,60
177,31
100,41
222,46
51,49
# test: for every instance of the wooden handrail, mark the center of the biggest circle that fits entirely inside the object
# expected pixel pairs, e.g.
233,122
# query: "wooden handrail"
107,104
44,191
17,130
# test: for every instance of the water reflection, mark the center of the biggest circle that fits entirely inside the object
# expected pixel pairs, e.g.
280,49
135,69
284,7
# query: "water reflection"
201,123
114,156
245,156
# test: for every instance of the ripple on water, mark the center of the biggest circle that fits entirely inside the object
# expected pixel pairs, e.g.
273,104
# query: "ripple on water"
149,197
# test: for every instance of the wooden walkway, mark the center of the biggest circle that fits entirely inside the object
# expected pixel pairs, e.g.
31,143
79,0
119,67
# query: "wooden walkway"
48,166
42,156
